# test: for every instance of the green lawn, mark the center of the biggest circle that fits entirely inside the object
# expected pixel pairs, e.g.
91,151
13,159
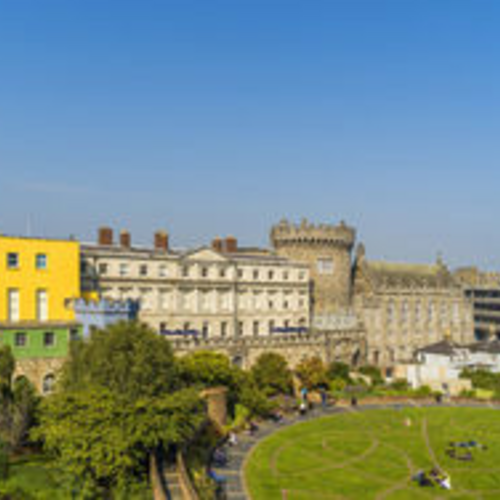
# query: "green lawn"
373,454
36,477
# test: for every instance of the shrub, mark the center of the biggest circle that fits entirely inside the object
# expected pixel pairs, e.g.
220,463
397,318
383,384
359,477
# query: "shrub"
374,373
338,370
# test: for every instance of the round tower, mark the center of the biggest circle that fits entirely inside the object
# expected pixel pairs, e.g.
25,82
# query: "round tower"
327,250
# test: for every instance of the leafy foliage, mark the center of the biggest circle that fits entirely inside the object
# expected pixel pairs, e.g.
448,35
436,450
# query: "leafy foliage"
120,401
103,439
338,370
272,375
208,369
374,373
127,358
312,373
18,403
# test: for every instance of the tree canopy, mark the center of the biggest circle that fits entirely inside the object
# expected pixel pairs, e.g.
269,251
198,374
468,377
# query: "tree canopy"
272,375
312,373
120,400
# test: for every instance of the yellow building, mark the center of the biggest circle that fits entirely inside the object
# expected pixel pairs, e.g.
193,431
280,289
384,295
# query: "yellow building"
38,280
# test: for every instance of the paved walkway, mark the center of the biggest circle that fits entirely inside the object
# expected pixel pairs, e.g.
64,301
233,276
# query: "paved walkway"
237,454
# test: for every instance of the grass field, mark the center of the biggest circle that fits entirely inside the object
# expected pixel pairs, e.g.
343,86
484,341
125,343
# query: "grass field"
373,455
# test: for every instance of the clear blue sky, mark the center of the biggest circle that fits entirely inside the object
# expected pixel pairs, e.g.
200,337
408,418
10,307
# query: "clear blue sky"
213,117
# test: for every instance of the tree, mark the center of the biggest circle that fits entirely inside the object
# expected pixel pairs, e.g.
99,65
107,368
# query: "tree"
272,375
127,358
103,439
208,369
338,370
374,373
120,402
18,403
312,373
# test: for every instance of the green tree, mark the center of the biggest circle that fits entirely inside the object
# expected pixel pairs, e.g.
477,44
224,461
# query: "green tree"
272,375
18,403
128,358
120,402
374,373
338,370
312,373
208,369
103,439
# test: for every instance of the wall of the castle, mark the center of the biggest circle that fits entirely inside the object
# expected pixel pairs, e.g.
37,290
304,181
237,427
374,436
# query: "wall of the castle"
347,346
400,321
330,271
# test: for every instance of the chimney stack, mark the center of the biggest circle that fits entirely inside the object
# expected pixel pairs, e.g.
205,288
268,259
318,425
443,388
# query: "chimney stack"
105,236
231,244
217,245
125,239
161,241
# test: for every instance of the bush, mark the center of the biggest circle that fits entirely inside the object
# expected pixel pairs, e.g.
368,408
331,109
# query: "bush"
400,385
312,373
4,461
374,373
338,370
272,375
423,391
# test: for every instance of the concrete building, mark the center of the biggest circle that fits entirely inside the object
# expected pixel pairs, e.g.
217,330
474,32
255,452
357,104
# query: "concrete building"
438,366
483,289
218,291
405,307
38,280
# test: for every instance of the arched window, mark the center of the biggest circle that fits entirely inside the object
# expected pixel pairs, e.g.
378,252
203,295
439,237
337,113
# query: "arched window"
48,383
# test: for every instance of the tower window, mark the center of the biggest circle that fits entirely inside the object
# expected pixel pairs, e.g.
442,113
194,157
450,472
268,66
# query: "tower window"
325,266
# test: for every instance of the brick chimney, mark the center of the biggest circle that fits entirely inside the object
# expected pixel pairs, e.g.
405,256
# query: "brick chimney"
217,245
161,241
125,239
105,236
231,244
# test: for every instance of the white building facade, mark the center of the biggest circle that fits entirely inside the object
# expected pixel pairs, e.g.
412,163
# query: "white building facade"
214,292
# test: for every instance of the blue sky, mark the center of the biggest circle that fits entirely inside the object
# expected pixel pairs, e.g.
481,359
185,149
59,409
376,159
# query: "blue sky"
221,117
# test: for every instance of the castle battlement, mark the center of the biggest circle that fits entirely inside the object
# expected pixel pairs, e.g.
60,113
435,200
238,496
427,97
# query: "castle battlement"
305,233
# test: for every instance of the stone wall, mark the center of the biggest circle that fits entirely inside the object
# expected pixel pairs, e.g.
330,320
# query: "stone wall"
37,370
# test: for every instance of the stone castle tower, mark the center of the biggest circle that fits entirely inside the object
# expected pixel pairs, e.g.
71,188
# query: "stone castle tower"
327,250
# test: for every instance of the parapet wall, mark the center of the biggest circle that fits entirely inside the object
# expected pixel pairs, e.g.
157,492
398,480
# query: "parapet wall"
306,233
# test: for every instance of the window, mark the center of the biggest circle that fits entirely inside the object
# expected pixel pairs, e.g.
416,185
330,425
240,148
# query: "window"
240,327
185,271
240,273
286,324
187,326
84,267
204,329
42,305
41,261
256,274
285,275
123,269
143,270
302,276
223,328
256,328
325,266
162,271
13,260
271,326
74,334
13,304
286,304
49,339
20,339
204,272
48,383
222,272
103,268
271,275
163,327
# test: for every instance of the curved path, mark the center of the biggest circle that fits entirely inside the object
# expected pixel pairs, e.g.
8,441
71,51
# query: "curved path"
237,455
